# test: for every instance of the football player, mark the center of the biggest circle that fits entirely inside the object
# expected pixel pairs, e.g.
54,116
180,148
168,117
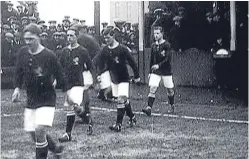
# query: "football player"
160,69
36,66
75,60
114,57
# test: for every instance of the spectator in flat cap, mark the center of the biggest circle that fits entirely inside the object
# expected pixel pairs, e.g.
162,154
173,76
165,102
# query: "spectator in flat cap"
44,28
181,11
91,30
208,34
176,33
56,41
135,27
9,12
51,30
132,42
5,28
65,25
63,37
32,19
119,24
17,42
15,26
158,13
75,21
21,12
44,39
135,30
83,22
104,25
59,28
24,21
11,19
44,35
127,28
7,50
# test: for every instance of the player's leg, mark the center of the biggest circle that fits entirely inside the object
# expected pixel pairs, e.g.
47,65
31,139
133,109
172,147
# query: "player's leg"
85,115
123,91
29,122
105,86
120,109
154,82
44,141
75,98
168,83
70,113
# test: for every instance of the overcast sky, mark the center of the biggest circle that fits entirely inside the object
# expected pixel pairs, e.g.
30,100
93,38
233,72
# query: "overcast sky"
56,10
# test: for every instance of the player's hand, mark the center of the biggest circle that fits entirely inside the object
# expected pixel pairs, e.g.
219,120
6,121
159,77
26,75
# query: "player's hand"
155,67
137,80
54,83
98,78
16,95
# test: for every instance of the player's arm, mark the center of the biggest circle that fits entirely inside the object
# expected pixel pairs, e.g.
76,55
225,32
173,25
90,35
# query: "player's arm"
58,72
102,62
90,65
132,63
19,73
152,57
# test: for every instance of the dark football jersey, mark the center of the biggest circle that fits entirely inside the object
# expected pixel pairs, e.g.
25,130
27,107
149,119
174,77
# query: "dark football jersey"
75,62
161,55
116,60
38,72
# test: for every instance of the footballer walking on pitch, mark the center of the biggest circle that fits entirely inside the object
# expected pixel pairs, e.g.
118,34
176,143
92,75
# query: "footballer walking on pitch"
115,56
75,60
160,69
36,67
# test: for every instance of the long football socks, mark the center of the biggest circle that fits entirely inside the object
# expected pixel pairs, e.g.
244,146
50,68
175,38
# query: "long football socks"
171,100
41,150
128,109
70,123
151,101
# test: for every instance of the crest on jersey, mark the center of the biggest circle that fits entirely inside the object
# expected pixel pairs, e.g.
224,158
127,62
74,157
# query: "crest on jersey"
116,59
163,53
76,61
38,71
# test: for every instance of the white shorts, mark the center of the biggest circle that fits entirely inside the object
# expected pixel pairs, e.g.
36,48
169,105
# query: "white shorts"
121,89
156,79
88,78
75,95
105,80
40,116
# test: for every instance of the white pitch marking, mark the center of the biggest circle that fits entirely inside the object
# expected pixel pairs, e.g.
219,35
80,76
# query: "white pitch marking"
156,114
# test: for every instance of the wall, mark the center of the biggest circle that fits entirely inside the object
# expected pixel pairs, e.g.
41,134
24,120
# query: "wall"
190,68
124,10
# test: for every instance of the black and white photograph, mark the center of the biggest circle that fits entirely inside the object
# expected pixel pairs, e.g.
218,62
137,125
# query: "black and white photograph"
124,79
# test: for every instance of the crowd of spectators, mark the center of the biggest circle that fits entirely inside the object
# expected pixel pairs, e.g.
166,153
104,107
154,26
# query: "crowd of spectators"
54,35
